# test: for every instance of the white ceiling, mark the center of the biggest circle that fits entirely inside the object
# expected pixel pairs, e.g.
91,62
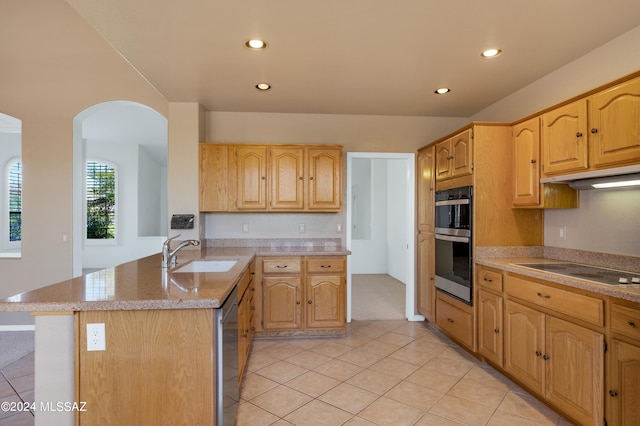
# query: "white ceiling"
377,57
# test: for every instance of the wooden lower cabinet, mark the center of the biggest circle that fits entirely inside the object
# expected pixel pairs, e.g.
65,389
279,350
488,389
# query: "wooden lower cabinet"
456,319
246,318
624,385
490,341
559,360
282,300
524,344
426,276
304,294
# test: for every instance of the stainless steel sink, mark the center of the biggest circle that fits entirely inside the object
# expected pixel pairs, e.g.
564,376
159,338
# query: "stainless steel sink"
206,266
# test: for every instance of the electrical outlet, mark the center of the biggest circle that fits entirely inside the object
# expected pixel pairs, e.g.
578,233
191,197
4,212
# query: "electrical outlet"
96,340
562,234
302,228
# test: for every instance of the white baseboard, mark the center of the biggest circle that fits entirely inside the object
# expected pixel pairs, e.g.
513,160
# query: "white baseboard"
17,327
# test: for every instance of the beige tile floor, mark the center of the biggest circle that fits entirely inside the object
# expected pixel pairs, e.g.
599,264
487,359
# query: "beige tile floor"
383,373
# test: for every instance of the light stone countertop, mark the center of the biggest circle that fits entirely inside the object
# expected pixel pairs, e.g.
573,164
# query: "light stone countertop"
144,284
628,292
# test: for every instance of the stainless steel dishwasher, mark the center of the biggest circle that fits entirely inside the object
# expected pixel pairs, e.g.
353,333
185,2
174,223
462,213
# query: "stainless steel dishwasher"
226,341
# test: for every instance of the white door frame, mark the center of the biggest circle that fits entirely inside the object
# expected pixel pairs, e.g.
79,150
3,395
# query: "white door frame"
410,313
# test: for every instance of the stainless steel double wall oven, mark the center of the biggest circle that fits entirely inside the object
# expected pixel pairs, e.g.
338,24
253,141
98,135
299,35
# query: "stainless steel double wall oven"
453,234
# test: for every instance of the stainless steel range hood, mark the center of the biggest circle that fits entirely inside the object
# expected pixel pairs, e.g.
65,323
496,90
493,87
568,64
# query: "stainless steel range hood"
606,178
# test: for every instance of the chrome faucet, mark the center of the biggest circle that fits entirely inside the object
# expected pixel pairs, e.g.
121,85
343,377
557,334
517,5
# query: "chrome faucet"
169,258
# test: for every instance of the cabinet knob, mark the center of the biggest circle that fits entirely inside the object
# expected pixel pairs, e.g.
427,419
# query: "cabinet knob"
545,357
297,302
496,331
613,393
325,266
309,301
263,178
450,320
544,296
594,131
533,161
300,178
489,280
578,135
311,178
538,353
632,324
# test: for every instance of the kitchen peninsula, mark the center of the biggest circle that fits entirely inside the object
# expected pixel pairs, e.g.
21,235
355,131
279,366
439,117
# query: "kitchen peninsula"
159,362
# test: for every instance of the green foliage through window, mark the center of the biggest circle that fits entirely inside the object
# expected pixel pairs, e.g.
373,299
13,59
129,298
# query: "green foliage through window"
101,201
15,201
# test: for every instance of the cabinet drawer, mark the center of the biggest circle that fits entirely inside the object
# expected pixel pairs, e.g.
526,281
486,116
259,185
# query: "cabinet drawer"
490,280
625,321
576,305
325,264
456,322
282,265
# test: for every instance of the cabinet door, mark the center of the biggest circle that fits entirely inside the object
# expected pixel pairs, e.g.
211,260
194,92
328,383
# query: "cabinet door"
325,183
326,301
287,178
524,345
426,182
214,189
282,298
426,271
624,384
490,341
575,370
461,151
614,115
444,159
526,142
251,178
564,138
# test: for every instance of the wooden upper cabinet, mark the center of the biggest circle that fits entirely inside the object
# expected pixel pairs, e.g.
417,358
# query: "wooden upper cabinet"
426,189
564,139
287,178
615,125
270,177
453,156
251,177
324,167
526,142
214,187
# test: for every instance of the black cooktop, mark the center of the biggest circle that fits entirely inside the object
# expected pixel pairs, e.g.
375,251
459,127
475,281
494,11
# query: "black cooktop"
585,272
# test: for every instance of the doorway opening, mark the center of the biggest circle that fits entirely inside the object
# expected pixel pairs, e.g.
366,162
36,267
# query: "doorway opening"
380,233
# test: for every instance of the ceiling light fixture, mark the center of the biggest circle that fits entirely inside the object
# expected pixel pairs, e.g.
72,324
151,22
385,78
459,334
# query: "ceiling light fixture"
256,44
491,53
442,90
263,86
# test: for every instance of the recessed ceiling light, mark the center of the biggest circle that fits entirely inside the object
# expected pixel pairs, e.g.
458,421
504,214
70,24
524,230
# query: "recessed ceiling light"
256,44
491,53
263,86
442,90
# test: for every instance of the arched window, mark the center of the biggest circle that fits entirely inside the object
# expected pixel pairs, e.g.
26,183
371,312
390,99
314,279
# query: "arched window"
14,179
101,200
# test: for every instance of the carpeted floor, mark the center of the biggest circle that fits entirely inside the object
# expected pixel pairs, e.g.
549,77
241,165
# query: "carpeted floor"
377,297
14,345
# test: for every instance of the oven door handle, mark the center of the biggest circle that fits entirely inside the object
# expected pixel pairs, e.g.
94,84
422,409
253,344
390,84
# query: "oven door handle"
452,202
452,238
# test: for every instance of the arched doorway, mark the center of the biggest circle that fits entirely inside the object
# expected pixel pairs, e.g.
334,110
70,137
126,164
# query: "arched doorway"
126,142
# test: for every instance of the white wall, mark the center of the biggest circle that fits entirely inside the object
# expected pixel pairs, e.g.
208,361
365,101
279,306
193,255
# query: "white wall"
397,219
607,219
